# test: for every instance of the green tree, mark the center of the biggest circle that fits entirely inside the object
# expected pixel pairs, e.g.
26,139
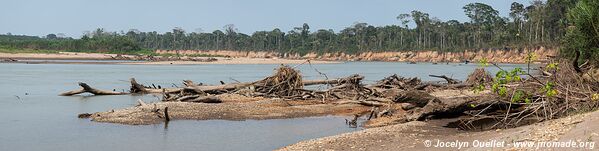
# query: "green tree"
583,33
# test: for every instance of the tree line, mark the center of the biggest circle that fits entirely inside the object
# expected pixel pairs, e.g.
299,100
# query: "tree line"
102,42
537,24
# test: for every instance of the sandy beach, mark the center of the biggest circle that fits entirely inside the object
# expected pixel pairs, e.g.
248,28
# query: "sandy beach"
57,56
98,58
221,60
414,135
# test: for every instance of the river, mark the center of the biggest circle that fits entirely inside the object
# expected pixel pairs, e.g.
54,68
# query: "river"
34,117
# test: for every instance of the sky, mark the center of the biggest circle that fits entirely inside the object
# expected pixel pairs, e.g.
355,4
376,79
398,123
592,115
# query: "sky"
73,17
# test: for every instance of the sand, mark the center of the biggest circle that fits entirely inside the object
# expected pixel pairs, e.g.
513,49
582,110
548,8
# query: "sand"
413,135
222,60
88,58
233,107
57,56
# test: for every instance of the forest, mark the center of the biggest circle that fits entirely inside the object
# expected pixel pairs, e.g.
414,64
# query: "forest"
569,24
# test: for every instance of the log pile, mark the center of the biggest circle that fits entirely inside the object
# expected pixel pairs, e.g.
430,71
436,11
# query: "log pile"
562,92
574,94
536,98
287,83
397,82
479,76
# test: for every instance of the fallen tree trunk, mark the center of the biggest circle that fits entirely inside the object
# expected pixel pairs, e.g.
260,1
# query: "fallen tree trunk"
434,84
395,81
448,79
138,88
361,102
333,81
204,99
88,89
233,86
418,98
141,102
447,107
224,87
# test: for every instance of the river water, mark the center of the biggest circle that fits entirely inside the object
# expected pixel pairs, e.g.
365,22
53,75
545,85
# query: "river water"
34,117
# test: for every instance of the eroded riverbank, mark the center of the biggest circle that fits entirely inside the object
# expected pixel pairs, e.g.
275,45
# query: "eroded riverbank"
186,57
542,54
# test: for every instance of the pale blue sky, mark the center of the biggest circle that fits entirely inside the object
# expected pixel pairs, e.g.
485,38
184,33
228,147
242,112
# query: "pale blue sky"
72,17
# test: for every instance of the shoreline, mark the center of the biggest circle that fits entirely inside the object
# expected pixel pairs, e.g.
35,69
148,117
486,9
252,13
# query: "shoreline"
516,56
414,136
404,113
98,58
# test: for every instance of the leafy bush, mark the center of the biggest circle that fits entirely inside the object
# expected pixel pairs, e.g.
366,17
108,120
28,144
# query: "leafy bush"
583,32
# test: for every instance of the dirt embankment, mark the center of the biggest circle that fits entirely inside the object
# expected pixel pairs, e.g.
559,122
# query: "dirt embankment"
502,56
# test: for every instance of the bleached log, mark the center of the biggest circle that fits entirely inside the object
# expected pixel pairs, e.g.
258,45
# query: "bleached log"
205,99
138,88
448,79
86,88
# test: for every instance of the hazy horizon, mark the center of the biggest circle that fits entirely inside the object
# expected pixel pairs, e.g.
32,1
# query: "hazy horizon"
73,17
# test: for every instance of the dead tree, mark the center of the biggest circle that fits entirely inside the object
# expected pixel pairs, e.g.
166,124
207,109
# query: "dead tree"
139,88
88,89
448,79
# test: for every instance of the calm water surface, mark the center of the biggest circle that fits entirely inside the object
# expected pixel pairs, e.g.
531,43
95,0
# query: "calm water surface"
34,117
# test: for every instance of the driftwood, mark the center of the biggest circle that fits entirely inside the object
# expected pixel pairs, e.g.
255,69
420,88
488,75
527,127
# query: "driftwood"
333,81
202,89
285,83
395,81
84,115
559,93
141,102
479,76
448,79
436,84
362,102
88,89
418,98
139,88
572,93
448,107
11,60
204,99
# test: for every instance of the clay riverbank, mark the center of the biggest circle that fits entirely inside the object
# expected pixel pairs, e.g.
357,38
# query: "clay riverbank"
541,54
518,56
